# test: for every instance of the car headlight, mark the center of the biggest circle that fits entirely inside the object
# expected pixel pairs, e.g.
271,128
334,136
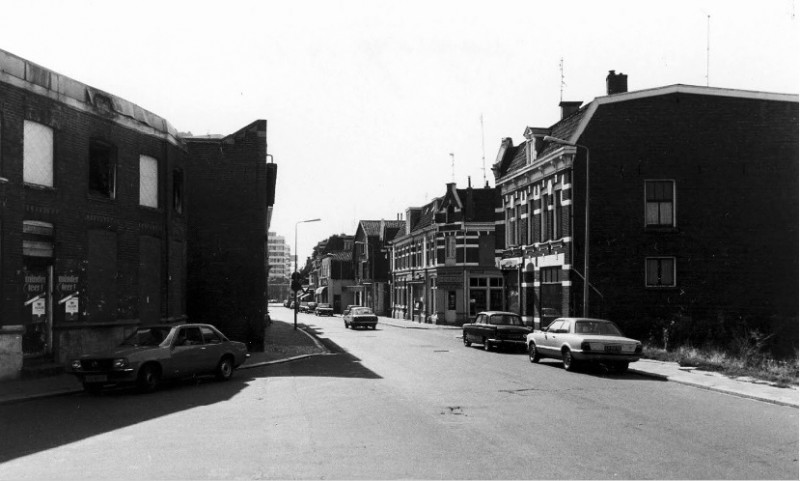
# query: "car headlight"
75,364
120,363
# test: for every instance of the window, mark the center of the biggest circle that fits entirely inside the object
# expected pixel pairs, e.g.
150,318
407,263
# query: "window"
511,223
148,181
177,191
659,202
37,154
102,169
660,271
543,203
557,216
549,275
450,247
209,336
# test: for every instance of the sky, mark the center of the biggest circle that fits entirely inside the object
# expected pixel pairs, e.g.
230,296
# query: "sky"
367,100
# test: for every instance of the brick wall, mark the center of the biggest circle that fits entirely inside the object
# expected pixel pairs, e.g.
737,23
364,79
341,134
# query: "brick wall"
735,164
227,204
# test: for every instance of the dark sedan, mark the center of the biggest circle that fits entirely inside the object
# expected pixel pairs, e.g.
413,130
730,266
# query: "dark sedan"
496,328
323,309
154,353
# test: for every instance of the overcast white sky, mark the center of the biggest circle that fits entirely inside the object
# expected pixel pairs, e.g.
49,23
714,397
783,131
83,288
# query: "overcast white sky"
366,100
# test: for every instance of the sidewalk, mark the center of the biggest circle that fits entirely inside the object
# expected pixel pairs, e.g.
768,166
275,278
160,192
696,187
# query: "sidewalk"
284,343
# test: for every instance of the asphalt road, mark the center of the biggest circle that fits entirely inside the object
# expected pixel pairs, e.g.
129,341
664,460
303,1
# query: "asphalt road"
402,403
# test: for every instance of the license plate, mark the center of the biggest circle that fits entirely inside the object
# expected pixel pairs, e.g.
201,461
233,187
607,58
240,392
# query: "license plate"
613,348
95,378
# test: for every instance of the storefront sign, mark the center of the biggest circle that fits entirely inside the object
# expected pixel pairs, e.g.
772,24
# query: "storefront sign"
39,308
71,307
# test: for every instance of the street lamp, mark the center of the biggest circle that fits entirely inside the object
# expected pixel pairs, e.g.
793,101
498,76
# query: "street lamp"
295,263
556,140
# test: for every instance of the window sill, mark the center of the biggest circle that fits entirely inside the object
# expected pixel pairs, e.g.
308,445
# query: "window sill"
660,228
95,197
47,188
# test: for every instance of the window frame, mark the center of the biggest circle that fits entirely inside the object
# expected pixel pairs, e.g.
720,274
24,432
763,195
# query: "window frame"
111,191
660,259
27,176
142,160
659,203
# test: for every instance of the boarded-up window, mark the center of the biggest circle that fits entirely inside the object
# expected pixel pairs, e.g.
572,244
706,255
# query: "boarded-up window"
101,302
102,169
149,279
38,154
148,181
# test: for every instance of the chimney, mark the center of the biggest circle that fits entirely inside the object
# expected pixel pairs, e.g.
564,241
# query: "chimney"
616,83
569,108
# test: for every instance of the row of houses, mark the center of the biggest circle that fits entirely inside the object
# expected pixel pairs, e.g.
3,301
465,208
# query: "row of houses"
667,208
110,218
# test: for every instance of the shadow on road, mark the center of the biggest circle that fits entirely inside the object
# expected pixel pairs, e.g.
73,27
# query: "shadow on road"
38,425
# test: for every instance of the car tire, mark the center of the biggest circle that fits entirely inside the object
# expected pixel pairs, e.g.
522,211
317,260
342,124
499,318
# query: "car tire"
148,378
345,325
374,326
224,369
570,364
467,341
93,388
487,346
533,353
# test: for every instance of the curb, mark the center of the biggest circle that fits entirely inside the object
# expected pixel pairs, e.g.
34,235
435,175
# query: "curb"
714,389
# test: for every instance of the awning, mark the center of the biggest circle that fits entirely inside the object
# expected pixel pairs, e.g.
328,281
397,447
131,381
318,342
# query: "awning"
320,290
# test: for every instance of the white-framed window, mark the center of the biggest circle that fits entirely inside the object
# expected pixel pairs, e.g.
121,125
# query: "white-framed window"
148,181
659,202
450,247
37,154
660,272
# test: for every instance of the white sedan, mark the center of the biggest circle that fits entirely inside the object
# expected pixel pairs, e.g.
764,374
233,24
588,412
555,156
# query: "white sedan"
575,340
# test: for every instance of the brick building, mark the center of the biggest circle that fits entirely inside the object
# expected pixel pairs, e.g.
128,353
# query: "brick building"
443,263
95,203
693,203
371,263
232,192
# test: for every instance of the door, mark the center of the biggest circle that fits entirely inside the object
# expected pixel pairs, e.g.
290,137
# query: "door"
187,352
38,287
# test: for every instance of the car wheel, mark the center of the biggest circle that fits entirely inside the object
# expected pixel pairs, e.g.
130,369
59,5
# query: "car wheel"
486,345
345,325
570,364
374,326
467,341
92,388
225,369
149,377
533,353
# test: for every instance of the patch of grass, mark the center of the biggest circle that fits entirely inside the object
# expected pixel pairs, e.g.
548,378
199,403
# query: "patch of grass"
782,373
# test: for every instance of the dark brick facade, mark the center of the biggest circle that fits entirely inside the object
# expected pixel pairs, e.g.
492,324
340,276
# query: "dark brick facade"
732,157
228,196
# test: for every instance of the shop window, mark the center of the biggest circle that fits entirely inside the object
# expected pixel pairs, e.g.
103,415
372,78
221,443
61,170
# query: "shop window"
148,181
37,154
102,169
660,271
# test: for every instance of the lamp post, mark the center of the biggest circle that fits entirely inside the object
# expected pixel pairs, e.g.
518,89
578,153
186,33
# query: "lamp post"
295,263
586,223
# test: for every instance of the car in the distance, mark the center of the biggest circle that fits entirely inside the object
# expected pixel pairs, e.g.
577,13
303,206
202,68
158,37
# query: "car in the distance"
350,306
577,340
360,317
496,328
160,352
323,309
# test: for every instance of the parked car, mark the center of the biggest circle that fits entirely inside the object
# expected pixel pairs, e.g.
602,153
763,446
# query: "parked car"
159,352
575,340
496,328
307,307
360,317
323,309
349,306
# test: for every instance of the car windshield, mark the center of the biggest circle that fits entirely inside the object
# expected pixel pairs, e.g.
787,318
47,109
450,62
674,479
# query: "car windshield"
361,310
149,336
597,328
506,320
324,305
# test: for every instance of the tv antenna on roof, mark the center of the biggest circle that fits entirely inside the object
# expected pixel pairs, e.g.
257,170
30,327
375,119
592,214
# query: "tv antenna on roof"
561,69
453,165
708,48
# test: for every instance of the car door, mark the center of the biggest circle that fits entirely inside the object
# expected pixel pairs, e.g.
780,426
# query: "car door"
550,337
187,351
472,330
213,349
